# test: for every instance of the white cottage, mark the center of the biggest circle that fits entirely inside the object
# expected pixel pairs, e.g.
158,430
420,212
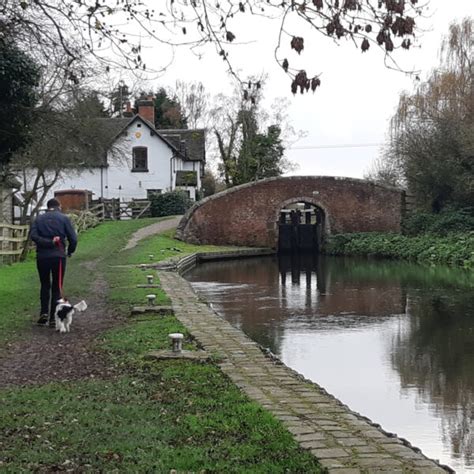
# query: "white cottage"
142,160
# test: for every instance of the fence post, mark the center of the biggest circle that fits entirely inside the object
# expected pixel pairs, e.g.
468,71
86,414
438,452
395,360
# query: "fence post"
13,239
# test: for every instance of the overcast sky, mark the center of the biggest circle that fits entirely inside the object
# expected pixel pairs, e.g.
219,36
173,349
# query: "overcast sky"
347,119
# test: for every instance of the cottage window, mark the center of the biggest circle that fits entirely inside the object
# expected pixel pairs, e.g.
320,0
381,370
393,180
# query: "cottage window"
140,159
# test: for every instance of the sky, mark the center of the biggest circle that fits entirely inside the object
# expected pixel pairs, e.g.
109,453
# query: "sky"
346,120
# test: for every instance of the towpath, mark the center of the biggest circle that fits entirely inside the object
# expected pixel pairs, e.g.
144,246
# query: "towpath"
152,229
345,442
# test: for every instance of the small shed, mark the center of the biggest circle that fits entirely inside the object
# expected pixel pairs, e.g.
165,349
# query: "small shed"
74,199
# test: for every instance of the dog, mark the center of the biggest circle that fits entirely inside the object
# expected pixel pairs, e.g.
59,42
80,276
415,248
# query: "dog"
64,313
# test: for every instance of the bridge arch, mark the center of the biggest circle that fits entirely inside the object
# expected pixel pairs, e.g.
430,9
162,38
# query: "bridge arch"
248,215
310,200
311,228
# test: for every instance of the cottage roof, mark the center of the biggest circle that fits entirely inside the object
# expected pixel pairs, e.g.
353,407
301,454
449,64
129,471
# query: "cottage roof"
113,127
194,141
188,144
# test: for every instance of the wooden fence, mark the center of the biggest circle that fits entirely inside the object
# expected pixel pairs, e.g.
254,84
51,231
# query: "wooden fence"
13,238
12,241
117,210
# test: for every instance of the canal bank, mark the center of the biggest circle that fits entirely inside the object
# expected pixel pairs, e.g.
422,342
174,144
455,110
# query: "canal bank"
344,441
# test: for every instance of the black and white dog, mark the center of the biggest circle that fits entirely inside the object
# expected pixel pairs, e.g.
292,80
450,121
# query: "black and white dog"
64,313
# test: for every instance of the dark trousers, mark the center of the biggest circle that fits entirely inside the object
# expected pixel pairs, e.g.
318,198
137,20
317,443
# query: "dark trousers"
48,269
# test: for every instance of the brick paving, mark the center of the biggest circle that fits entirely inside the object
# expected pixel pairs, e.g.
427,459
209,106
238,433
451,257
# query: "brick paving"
344,442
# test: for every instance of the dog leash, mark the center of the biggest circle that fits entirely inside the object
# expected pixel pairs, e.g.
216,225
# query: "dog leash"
59,244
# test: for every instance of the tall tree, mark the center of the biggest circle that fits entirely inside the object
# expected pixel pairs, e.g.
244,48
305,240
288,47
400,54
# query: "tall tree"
248,147
432,132
261,152
194,102
19,77
61,140
168,111
119,97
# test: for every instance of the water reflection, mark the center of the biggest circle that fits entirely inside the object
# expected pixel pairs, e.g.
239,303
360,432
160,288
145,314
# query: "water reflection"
435,354
394,341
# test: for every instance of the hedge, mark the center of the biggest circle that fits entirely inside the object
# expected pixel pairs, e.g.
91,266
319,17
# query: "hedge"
453,249
170,204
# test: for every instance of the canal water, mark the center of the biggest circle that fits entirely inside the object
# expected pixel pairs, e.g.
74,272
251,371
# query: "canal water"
394,341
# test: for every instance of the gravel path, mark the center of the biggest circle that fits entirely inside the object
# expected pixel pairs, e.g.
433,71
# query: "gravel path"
151,230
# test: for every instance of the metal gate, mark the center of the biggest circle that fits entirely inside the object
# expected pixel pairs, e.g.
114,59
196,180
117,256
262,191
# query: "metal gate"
301,237
297,236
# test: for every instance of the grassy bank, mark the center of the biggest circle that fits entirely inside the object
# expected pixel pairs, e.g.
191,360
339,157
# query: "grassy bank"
19,292
153,417
150,416
453,249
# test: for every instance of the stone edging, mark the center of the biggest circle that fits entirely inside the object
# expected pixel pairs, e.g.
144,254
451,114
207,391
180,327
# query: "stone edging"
182,264
344,441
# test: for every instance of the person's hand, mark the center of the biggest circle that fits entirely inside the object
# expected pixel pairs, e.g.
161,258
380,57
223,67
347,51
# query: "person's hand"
56,240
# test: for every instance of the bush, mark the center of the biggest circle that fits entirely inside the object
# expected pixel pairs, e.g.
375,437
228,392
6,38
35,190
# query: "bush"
170,204
442,224
455,249
417,223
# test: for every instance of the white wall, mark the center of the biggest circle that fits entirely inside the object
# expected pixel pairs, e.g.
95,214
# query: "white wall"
118,180
86,179
135,184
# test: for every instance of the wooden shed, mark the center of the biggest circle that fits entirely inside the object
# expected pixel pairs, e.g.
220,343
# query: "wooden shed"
74,199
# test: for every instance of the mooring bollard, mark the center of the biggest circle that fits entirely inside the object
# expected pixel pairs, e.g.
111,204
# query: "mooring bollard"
176,341
151,256
151,299
150,279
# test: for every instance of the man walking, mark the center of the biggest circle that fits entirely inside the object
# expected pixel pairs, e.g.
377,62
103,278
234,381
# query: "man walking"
49,232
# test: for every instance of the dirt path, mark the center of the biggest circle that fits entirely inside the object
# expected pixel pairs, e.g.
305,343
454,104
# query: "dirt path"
43,355
151,230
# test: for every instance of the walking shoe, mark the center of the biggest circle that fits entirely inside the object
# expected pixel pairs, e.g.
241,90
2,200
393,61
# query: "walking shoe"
52,323
43,320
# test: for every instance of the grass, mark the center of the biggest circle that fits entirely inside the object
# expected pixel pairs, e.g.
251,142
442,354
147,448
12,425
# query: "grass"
180,415
18,283
129,343
165,246
152,416
19,292
123,293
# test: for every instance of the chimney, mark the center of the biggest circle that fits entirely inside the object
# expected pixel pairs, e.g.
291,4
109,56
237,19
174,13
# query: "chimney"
146,109
128,110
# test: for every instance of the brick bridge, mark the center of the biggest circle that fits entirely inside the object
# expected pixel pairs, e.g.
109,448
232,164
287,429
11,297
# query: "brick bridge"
251,214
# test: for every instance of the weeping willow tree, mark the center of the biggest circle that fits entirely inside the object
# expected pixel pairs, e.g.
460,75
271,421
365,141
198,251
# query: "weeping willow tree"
432,132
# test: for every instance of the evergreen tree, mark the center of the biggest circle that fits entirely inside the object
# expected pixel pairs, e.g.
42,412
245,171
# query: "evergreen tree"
18,79
168,111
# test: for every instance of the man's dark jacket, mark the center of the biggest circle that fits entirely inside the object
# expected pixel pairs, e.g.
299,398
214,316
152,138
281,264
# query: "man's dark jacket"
49,225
